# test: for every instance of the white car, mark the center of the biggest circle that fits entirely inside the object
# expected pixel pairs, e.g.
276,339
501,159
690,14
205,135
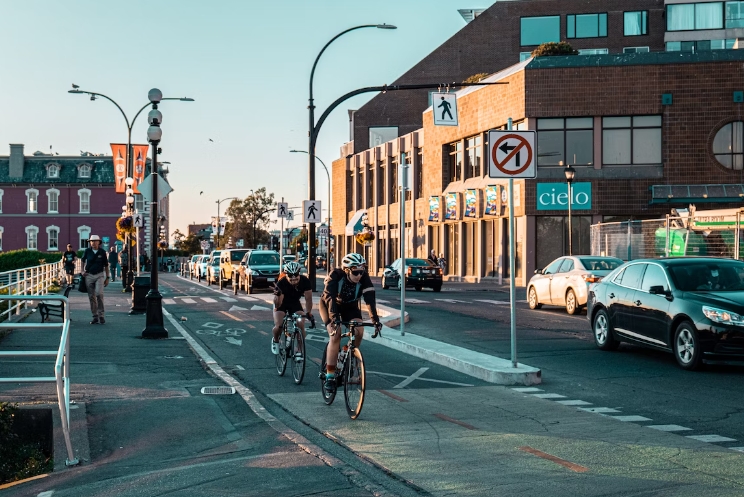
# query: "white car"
565,281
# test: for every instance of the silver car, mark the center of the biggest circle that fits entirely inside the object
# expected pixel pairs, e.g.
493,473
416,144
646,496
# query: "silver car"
565,281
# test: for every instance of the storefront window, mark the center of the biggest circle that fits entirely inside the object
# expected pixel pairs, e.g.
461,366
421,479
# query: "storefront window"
552,237
456,161
569,140
631,140
474,155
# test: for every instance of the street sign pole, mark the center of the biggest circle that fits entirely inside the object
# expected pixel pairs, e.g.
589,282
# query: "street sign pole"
402,174
512,289
281,242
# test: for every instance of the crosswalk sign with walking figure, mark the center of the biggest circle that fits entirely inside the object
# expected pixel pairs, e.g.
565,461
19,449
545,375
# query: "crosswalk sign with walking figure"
311,211
444,107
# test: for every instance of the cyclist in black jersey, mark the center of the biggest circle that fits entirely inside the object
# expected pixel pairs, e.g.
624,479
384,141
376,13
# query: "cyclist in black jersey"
344,287
288,290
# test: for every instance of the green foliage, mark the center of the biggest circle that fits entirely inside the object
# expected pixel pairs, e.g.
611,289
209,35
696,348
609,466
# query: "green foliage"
552,49
17,259
476,77
19,459
190,244
248,216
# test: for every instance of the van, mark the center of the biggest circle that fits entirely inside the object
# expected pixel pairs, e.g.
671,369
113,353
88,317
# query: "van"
229,262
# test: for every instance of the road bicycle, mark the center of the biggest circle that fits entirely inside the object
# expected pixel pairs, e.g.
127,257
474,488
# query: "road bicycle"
291,347
350,372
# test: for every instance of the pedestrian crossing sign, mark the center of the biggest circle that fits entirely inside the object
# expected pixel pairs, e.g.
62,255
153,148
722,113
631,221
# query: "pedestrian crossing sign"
444,107
311,211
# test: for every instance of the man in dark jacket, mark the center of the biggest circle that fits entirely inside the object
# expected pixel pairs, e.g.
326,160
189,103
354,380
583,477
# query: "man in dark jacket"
95,271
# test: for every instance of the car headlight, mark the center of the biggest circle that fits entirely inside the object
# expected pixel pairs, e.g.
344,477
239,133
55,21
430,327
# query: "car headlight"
253,273
722,316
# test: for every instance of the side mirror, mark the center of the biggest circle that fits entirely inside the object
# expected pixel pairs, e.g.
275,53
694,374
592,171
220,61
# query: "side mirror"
538,271
659,290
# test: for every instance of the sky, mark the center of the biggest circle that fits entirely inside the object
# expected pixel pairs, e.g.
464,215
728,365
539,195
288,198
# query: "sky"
245,62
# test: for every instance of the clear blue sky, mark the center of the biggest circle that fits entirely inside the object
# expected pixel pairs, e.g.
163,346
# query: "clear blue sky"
245,62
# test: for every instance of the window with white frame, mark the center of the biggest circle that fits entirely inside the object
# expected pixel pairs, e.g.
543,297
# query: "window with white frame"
32,201
631,140
52,238
52,171
83,235
84,171
32,236
593,51
53,201
635,50
84,195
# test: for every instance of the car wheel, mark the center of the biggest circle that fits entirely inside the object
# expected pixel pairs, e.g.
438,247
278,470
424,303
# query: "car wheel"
603,337
418,288
249,287
221,281
687,347
572,306
437,288
532,298
209,279
235,284
384,283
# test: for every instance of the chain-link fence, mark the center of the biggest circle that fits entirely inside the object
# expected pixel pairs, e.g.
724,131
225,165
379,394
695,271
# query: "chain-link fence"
717,235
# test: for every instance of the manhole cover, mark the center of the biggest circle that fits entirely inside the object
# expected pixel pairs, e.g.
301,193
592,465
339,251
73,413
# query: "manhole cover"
217,390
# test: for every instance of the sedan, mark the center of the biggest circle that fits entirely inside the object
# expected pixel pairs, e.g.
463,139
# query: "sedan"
420,273
565,281
692,307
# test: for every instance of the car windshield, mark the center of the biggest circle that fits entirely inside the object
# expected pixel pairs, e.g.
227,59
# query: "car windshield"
237,255
417,262
599,263
264,260
710,276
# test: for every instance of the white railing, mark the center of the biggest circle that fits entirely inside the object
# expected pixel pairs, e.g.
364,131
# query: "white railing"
61,364
28,281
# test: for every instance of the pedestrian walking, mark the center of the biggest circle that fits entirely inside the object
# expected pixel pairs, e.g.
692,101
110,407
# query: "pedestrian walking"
95,271
124,263
68,260
433,258
443,263
113,259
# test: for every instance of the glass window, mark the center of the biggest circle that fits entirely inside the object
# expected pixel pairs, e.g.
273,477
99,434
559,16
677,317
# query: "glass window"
84,201
654,276
1,203
409,163
380,183
568,265
53,238
393,181
691,16
569,140
32,198
474,155
420,174
553,267
632,275
524,56
618,279
635,50
456,157
1,237
53,171
538,30
586,25
84,171
382,134
734,15
139,203
635,23
593,51
728,145
32,234
631,141
53,198
369,201
83,235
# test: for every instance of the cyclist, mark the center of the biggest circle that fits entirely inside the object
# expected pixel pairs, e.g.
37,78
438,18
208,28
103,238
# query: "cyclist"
288,290
344,287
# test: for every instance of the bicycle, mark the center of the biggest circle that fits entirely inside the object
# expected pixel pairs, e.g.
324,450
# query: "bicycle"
291,347
350,372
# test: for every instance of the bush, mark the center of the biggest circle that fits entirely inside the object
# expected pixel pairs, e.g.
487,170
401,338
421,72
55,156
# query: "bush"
18,259
19,459
552,49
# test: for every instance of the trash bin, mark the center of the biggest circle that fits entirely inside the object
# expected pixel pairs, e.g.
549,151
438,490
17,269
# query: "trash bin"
139,293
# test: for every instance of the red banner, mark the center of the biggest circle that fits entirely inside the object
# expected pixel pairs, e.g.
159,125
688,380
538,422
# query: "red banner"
140,159
119,151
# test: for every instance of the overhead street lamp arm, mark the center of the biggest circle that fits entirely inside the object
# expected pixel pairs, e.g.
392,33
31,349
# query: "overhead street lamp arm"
92,93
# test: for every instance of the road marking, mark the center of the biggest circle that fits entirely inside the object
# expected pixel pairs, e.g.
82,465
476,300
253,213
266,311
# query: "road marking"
209,300
444,417
544,455
383,301
549,396
262,332
528,389
599,410
711,438
496,302
631,418
37,477
414,376
738,449
169,301
229,299
669,428
239,367
230,315
212,325
574,402
259,308
48,493
250,326
315,360
416,301
188,301
249,299
237,308
421,379
234,341
451,301
392,395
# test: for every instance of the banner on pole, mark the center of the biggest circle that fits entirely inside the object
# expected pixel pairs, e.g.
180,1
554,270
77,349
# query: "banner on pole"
139,152
119,152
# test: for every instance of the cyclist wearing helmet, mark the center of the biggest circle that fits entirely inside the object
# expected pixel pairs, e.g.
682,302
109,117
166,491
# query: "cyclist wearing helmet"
344,287
288,290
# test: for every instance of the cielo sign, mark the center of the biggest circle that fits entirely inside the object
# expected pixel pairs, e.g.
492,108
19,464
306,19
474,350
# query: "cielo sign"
554,196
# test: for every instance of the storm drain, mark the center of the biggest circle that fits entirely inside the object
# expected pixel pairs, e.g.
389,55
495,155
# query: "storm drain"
217,390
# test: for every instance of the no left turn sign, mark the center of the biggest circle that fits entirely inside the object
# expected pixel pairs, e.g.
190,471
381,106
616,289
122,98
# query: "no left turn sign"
511,154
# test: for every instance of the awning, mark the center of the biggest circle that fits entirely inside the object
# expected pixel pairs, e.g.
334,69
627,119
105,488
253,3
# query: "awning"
355,223
697,194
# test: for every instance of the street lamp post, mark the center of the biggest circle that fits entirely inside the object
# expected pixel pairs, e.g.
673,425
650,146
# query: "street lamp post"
311,148
570,172
129,278
329,180
154,327
219,225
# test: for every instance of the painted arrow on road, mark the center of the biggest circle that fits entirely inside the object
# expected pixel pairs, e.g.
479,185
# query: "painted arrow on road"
259,308
237,308
234,341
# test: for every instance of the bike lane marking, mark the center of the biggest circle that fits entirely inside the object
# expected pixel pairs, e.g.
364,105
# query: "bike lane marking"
230,316
414,376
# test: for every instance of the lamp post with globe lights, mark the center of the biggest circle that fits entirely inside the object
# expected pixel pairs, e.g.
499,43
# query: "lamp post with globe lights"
570,172
154,327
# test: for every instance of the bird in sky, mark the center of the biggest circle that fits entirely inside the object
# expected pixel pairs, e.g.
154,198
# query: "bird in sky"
211,140
201,192
74,86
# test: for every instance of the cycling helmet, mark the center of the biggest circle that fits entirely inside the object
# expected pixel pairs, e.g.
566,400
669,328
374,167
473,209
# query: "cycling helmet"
292,268
353,260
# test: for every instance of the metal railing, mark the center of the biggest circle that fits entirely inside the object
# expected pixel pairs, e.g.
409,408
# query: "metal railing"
28,281
61,364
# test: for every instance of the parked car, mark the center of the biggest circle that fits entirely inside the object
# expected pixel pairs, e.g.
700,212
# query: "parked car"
213,267
201,267
565,281
420,273
192,265
258,269
229,263
691,306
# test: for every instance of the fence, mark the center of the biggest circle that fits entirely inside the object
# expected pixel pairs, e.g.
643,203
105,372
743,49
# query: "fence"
25,282
701,234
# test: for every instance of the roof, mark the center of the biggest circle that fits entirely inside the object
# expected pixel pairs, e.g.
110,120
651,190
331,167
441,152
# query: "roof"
634,59
35,170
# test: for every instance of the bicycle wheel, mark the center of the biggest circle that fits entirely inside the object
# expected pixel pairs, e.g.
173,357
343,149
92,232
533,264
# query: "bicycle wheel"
281,357
297,357
354,383
328,397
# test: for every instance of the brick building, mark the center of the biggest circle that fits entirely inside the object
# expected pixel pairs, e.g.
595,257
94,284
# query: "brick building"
645,132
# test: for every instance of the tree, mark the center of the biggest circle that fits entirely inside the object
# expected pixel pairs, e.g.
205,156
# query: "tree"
552,48
475,78
250,217
177,237
190,244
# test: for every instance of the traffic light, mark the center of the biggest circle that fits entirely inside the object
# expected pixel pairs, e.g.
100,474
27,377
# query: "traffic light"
275,243
299,247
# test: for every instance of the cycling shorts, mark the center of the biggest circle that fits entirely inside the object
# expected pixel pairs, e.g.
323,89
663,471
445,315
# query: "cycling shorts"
291,307
348,311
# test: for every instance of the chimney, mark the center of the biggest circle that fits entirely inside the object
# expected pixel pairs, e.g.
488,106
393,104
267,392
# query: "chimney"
16,161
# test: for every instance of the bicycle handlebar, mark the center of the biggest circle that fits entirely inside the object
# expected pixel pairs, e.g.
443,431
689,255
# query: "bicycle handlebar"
358,324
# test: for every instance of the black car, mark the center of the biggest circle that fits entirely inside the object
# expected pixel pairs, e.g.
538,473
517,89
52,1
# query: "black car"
258,269
420,273
692,307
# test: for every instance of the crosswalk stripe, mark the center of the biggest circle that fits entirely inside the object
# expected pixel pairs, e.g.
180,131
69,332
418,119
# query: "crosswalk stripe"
249,299
169,301
229,299
188,301
209,300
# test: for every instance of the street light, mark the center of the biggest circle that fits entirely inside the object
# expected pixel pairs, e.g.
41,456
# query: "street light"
311,148
219,225
154,327
570,172
128,280
329,180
